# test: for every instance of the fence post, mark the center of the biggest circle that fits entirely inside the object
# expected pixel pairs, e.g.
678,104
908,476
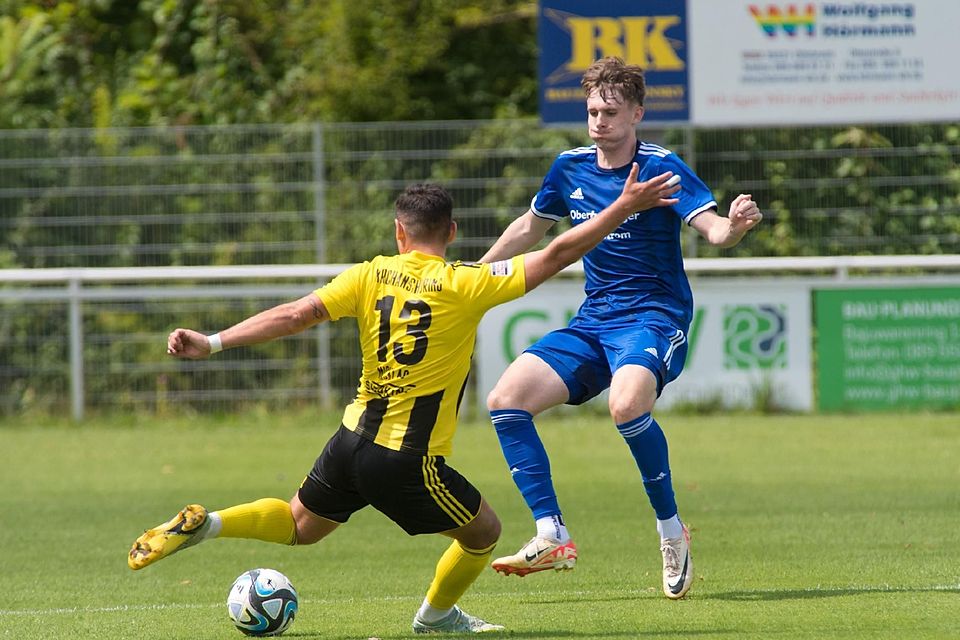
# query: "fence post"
76,349
690,142
320,235
319,194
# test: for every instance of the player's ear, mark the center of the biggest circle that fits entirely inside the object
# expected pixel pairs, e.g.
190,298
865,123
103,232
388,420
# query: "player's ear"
453,232
638,115
399,232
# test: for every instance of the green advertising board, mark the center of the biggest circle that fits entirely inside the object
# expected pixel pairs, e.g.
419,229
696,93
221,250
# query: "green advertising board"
888,348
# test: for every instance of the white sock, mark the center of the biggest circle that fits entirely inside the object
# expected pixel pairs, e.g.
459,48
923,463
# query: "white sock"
552,528
670,528
216,524
430,614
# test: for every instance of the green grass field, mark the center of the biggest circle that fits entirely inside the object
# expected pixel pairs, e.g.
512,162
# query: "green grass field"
804,527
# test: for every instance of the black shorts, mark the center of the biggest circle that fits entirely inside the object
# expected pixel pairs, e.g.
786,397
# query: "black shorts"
420,493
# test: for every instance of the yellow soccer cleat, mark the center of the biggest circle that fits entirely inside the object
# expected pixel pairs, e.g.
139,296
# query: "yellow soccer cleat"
184,530
540,554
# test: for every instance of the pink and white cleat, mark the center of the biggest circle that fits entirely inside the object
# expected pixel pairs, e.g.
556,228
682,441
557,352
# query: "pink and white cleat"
540,554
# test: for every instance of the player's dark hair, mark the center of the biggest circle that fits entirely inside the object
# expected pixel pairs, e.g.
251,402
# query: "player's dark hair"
425,210
613,75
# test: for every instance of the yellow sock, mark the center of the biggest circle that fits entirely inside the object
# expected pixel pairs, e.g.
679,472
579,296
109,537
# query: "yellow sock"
457,569
267,519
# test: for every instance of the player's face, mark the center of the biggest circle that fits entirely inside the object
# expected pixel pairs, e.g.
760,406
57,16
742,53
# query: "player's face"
612,122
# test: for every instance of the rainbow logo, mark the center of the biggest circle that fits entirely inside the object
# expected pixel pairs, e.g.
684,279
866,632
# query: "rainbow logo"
790,20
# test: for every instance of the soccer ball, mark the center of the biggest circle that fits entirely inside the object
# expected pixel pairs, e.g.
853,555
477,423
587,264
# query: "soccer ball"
262,602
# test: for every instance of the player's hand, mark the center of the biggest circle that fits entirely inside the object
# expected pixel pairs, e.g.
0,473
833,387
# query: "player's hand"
744,214
189,344
655,192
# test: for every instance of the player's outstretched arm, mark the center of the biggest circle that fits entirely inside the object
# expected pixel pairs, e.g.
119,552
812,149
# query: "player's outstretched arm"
283,320
573,244
519,236
726,232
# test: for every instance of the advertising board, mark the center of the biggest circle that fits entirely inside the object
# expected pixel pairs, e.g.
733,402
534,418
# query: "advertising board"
750,63
745,340
888,348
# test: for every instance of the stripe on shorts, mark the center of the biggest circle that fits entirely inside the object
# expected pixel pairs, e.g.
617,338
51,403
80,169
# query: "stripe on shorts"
677,340
441,495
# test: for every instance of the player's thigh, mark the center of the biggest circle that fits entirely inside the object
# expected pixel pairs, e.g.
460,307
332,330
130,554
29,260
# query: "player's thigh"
328,495
421,494
645,356
529,384
568,365
310,527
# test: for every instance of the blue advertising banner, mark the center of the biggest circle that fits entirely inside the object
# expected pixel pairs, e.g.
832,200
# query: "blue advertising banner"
652,34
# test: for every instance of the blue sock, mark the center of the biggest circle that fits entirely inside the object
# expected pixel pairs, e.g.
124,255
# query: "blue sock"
649,448
526,459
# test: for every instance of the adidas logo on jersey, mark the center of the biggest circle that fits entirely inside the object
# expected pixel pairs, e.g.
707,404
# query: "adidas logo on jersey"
652,351
577,194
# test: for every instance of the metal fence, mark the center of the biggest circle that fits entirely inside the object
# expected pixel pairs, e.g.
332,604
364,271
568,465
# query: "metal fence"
289,194
315,194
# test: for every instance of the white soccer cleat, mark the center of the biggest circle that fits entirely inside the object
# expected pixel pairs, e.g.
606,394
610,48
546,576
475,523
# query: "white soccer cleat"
540,554
677,565
458,621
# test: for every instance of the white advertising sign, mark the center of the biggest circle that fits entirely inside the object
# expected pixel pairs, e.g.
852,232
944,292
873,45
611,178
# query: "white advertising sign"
746,339
757,63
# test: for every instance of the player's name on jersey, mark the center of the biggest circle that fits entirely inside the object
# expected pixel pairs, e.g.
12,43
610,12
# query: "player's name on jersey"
407,281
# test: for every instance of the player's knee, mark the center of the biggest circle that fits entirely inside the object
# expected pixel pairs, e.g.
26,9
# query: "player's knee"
489,534
495,530
501,397
484,531
624,409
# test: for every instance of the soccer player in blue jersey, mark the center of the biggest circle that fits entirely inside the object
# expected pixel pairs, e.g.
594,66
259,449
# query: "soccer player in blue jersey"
630,334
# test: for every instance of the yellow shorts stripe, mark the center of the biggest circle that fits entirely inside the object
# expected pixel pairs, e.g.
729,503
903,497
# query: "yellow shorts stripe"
444,499
441,495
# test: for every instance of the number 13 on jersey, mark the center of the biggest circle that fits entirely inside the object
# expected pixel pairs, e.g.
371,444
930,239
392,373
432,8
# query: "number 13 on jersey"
410,348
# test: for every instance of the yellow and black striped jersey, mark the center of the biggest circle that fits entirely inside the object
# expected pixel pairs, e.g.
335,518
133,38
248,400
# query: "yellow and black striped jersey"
418,318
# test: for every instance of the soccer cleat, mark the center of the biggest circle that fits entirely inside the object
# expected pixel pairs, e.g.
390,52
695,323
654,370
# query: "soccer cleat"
458,621
183,530
677,565
540,554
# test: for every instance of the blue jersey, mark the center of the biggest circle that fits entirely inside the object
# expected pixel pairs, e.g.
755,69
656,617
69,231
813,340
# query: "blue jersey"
639,267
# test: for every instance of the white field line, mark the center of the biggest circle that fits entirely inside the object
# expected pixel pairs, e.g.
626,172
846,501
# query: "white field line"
885,588
317,601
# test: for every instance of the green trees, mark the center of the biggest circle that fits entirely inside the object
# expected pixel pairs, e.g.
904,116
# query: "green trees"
153,62
119,63
891,189
110,63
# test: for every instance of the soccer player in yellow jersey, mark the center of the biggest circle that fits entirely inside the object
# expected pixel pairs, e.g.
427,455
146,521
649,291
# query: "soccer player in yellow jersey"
418,317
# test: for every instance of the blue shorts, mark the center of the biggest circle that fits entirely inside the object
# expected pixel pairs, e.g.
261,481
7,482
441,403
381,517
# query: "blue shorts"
585,354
